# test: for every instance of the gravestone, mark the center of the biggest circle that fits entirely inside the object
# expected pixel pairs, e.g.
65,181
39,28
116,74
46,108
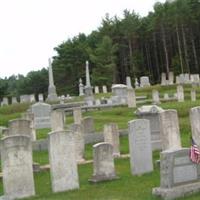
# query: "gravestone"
151,113
103,163
57,120
77,114
77,130
96,89
32,98
144,81
179,177
131,99
137,85
62,159
41,113
25,98
88,125
81,88
16,156
111,136
166,96
119,93
52,95
128,82
193,95
169,126
163,79
171,78
155,97
195,124
14,100
180,93
97,102
4,102
40,98
104,88
194,79
140,146
177,80
181,79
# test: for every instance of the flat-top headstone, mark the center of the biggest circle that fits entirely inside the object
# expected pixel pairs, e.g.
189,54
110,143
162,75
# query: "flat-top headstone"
155,97
180,93
77,114
171,78
163,79
14,100
131,98
111,135
5,101
88,125
140,146
104,88
193,95
103,163
144,81
16,155
96,89
40,97
57,120
128,82
62,159
41,113
169,126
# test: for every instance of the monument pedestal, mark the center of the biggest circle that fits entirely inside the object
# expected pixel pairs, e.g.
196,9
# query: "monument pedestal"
52,95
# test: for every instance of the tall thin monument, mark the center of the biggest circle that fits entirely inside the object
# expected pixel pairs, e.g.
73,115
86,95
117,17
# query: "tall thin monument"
52,95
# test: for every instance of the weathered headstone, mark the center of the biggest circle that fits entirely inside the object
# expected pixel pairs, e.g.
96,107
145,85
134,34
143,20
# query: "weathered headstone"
177,80
32,98
151,113
144,81
169,126
16,155
163,79
52,95
77,114
88,125
131,99
57,120
4,102
140,146
155,97
103,163
41,113
166,96
40,97
194,79
128,82
77,130
96,89
193,95
171,78
81,88
25,98
119,93
104,89
111,135
97,102
14,100
180,93
62,159
179,177
137,85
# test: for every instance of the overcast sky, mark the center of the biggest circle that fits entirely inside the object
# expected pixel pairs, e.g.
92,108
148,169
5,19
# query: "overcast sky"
30,29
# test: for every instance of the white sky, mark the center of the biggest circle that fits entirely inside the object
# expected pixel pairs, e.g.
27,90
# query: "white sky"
30,29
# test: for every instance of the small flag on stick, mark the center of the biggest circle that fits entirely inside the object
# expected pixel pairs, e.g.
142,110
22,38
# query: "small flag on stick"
194,152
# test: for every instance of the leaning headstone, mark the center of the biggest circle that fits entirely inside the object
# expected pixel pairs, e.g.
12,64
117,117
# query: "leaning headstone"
88,125
16,155
77,130
179,177
104,88
180,93
128,82
77,114
111,135
171,78
195,124
81,88
131,99
41,113
155,97
151,113
169,126
103,163
40,97
4,102
14,100
96,89
163,79
57,120
144,81
63,166
140,146
193,95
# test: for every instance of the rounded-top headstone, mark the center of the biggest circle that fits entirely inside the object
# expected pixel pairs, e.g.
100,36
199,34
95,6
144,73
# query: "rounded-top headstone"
149,109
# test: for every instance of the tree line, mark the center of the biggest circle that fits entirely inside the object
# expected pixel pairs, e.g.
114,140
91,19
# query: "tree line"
168,39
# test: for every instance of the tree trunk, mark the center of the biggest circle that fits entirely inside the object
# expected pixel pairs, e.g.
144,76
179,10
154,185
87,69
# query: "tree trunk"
132,67
156,57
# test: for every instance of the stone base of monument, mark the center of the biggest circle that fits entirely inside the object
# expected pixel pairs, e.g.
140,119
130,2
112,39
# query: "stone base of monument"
176,192
96,179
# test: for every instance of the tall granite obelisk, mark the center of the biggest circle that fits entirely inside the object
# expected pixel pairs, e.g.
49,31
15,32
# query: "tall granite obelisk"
89,98
52,95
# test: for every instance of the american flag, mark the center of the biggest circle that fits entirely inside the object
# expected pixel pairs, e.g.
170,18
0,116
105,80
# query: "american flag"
194,152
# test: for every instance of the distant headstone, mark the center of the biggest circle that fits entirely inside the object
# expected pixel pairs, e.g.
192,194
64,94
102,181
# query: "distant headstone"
169,126
193,95
25,98
163,79
16,155
88,125
32,98
137,85
177,80
111,135
41,113
4,102
96,89
179,177
104,88
77,114
155,97
194,78
57,120
140,146
166,96
171,78
180,93
119,93
14,100
103,163
63,166
40,97
97,102
144,81
81,88
131,98
128,82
